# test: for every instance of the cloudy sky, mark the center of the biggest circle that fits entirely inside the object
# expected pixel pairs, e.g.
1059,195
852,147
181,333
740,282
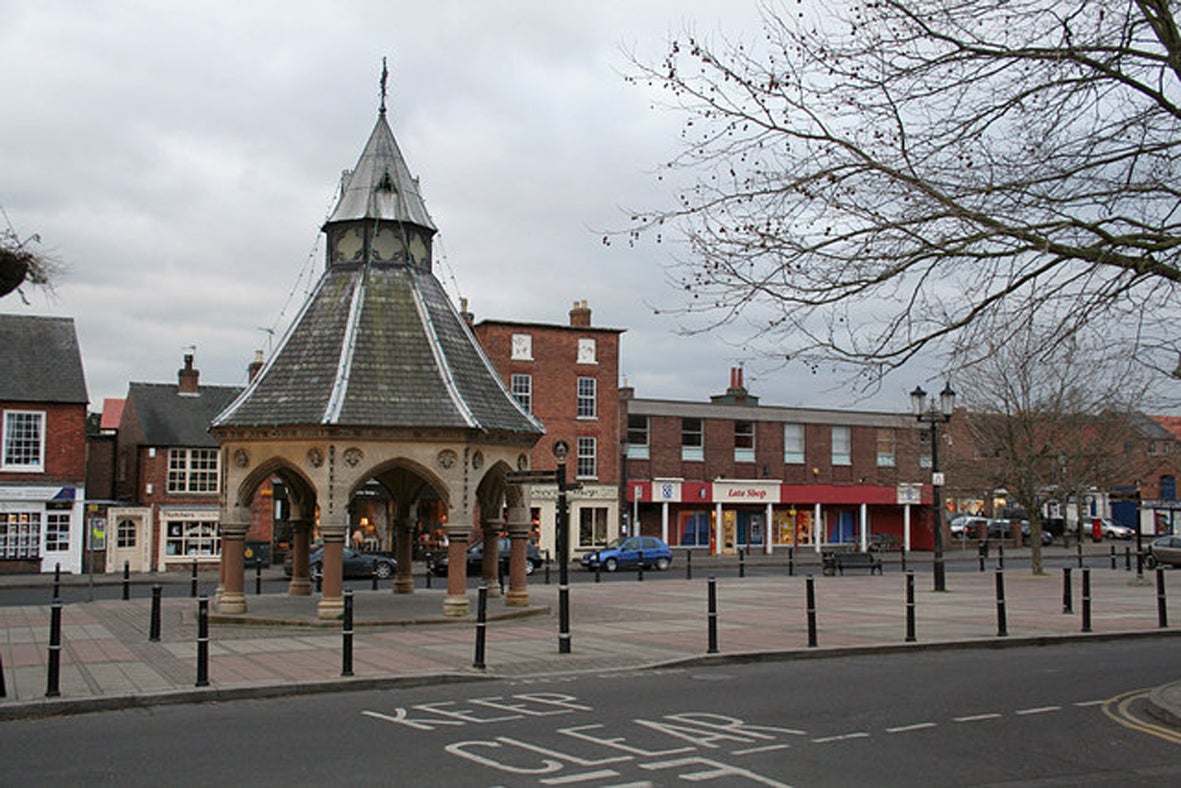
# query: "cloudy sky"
179,159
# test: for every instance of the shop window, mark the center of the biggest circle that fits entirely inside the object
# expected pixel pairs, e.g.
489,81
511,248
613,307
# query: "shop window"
20,535
695,529
592,526
885,448
637,437
57,531
842,446
793,444
24,441
744,441
192,538
692,440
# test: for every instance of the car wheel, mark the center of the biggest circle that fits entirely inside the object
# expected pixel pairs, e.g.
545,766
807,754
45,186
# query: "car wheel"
610,564
530,567
661,564
383,570
1150,561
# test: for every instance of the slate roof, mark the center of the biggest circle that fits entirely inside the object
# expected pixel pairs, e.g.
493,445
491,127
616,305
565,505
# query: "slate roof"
380,344
169,418
40,360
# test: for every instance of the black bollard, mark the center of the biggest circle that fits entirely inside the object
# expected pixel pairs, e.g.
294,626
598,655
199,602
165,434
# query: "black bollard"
1086,600
1113,556
3,685
57,581
1000,556
1067,598
481,626
910,634
428,574
741,562
373,579
1162,607
1127,559
202,641
1080,553
1002,626
320,581
193,585
52,689
346,631
712,615
500,568
982,553
811,612
640,568
904,551
258,576
547,567
154,621
688,564
126,580
791,561
599,571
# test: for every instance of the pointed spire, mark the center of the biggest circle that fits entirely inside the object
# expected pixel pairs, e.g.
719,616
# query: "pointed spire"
385,75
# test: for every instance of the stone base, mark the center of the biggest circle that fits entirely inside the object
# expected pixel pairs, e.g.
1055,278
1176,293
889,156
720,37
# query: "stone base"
330,609
232,603
516,598
493,588
404,585
456,605
300,586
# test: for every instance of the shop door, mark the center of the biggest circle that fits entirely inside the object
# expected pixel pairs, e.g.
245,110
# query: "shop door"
750,529
844,530
129,539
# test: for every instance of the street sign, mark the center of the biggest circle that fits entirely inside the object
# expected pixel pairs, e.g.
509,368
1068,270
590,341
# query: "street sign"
531,477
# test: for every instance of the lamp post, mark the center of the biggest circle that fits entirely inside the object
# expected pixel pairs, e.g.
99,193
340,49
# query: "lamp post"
927,411
561,449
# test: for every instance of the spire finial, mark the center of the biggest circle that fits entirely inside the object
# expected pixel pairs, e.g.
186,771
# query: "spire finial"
385,75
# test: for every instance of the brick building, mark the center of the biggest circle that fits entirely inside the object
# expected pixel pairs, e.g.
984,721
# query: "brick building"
567,376
43,445
735,473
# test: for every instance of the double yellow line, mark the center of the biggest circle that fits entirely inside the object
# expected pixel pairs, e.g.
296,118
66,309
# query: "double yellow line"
1119,709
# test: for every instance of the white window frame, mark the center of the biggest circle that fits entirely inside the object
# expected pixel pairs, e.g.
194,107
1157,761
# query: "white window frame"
13,464
637,436
842,445
744,453
522,389
184,478
20,535
57,531
887,442
690,452
592,520
588,407
794,445
186,537
587,461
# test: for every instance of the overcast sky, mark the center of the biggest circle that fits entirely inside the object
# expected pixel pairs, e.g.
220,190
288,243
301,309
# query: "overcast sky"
179,158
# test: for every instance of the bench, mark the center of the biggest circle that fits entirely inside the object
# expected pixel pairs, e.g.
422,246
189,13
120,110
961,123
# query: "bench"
837,563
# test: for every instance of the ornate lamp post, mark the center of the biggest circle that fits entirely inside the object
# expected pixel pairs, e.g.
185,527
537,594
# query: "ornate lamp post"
561,450
927,411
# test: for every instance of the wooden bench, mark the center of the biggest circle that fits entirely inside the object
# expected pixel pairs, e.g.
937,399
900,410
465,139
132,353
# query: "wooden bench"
837,563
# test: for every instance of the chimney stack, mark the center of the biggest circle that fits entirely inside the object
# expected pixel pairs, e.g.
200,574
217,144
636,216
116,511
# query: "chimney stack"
254,368
467,316
188,379
580,315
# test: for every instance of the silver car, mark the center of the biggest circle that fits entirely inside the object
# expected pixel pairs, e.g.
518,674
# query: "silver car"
1165,550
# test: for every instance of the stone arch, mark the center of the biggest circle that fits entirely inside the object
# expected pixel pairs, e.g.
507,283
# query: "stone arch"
494,495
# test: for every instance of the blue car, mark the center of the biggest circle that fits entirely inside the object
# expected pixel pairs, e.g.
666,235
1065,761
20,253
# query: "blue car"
625,553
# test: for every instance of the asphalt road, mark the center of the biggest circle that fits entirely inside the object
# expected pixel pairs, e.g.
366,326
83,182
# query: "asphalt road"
1058,715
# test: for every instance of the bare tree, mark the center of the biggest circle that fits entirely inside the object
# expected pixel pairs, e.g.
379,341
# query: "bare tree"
888,180
20,264
1046,420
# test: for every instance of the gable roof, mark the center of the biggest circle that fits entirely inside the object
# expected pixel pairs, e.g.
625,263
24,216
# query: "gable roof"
169,418
40,360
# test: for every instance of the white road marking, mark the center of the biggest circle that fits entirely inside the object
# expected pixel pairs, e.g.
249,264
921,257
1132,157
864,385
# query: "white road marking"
842,737
1082,704
918,726
1038,710
977,717
579,778
768,748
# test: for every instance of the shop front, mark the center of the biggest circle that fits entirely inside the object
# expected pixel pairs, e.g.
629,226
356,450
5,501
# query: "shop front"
40,528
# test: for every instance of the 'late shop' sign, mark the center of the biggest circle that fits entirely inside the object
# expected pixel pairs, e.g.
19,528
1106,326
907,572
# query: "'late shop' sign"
746,491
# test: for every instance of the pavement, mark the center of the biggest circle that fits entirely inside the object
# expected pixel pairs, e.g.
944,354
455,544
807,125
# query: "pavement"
279,647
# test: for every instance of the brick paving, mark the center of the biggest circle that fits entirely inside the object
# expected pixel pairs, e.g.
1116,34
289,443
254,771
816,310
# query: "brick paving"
617,624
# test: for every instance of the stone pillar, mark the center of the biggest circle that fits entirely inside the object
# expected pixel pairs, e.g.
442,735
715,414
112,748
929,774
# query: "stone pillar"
518,532
404,553
233,549
456,602
301,537
490,562
331,605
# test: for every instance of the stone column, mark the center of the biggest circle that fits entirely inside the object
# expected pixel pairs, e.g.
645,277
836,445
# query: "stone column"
518,532
233,549
490,562
404,553
456,602
331,605
301,537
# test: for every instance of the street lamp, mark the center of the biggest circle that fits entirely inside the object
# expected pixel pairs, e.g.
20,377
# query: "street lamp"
927,411
561,449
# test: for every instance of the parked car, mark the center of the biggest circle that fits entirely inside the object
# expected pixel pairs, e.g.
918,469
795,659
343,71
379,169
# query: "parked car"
1165,550
355,563
967,526
624,553
439,562
884,543
1001,528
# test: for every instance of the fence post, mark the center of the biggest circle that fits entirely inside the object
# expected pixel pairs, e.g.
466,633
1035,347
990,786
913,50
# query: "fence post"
154,621
811,612
202,641
910,634
1002,625
1067,597
712,615
1162,607
52,689
481,626
346,630
126,580
1086,600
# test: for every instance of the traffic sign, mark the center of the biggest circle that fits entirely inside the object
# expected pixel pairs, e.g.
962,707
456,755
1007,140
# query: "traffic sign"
531,477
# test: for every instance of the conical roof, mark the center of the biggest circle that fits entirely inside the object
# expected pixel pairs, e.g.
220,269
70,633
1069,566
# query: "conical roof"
379,344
